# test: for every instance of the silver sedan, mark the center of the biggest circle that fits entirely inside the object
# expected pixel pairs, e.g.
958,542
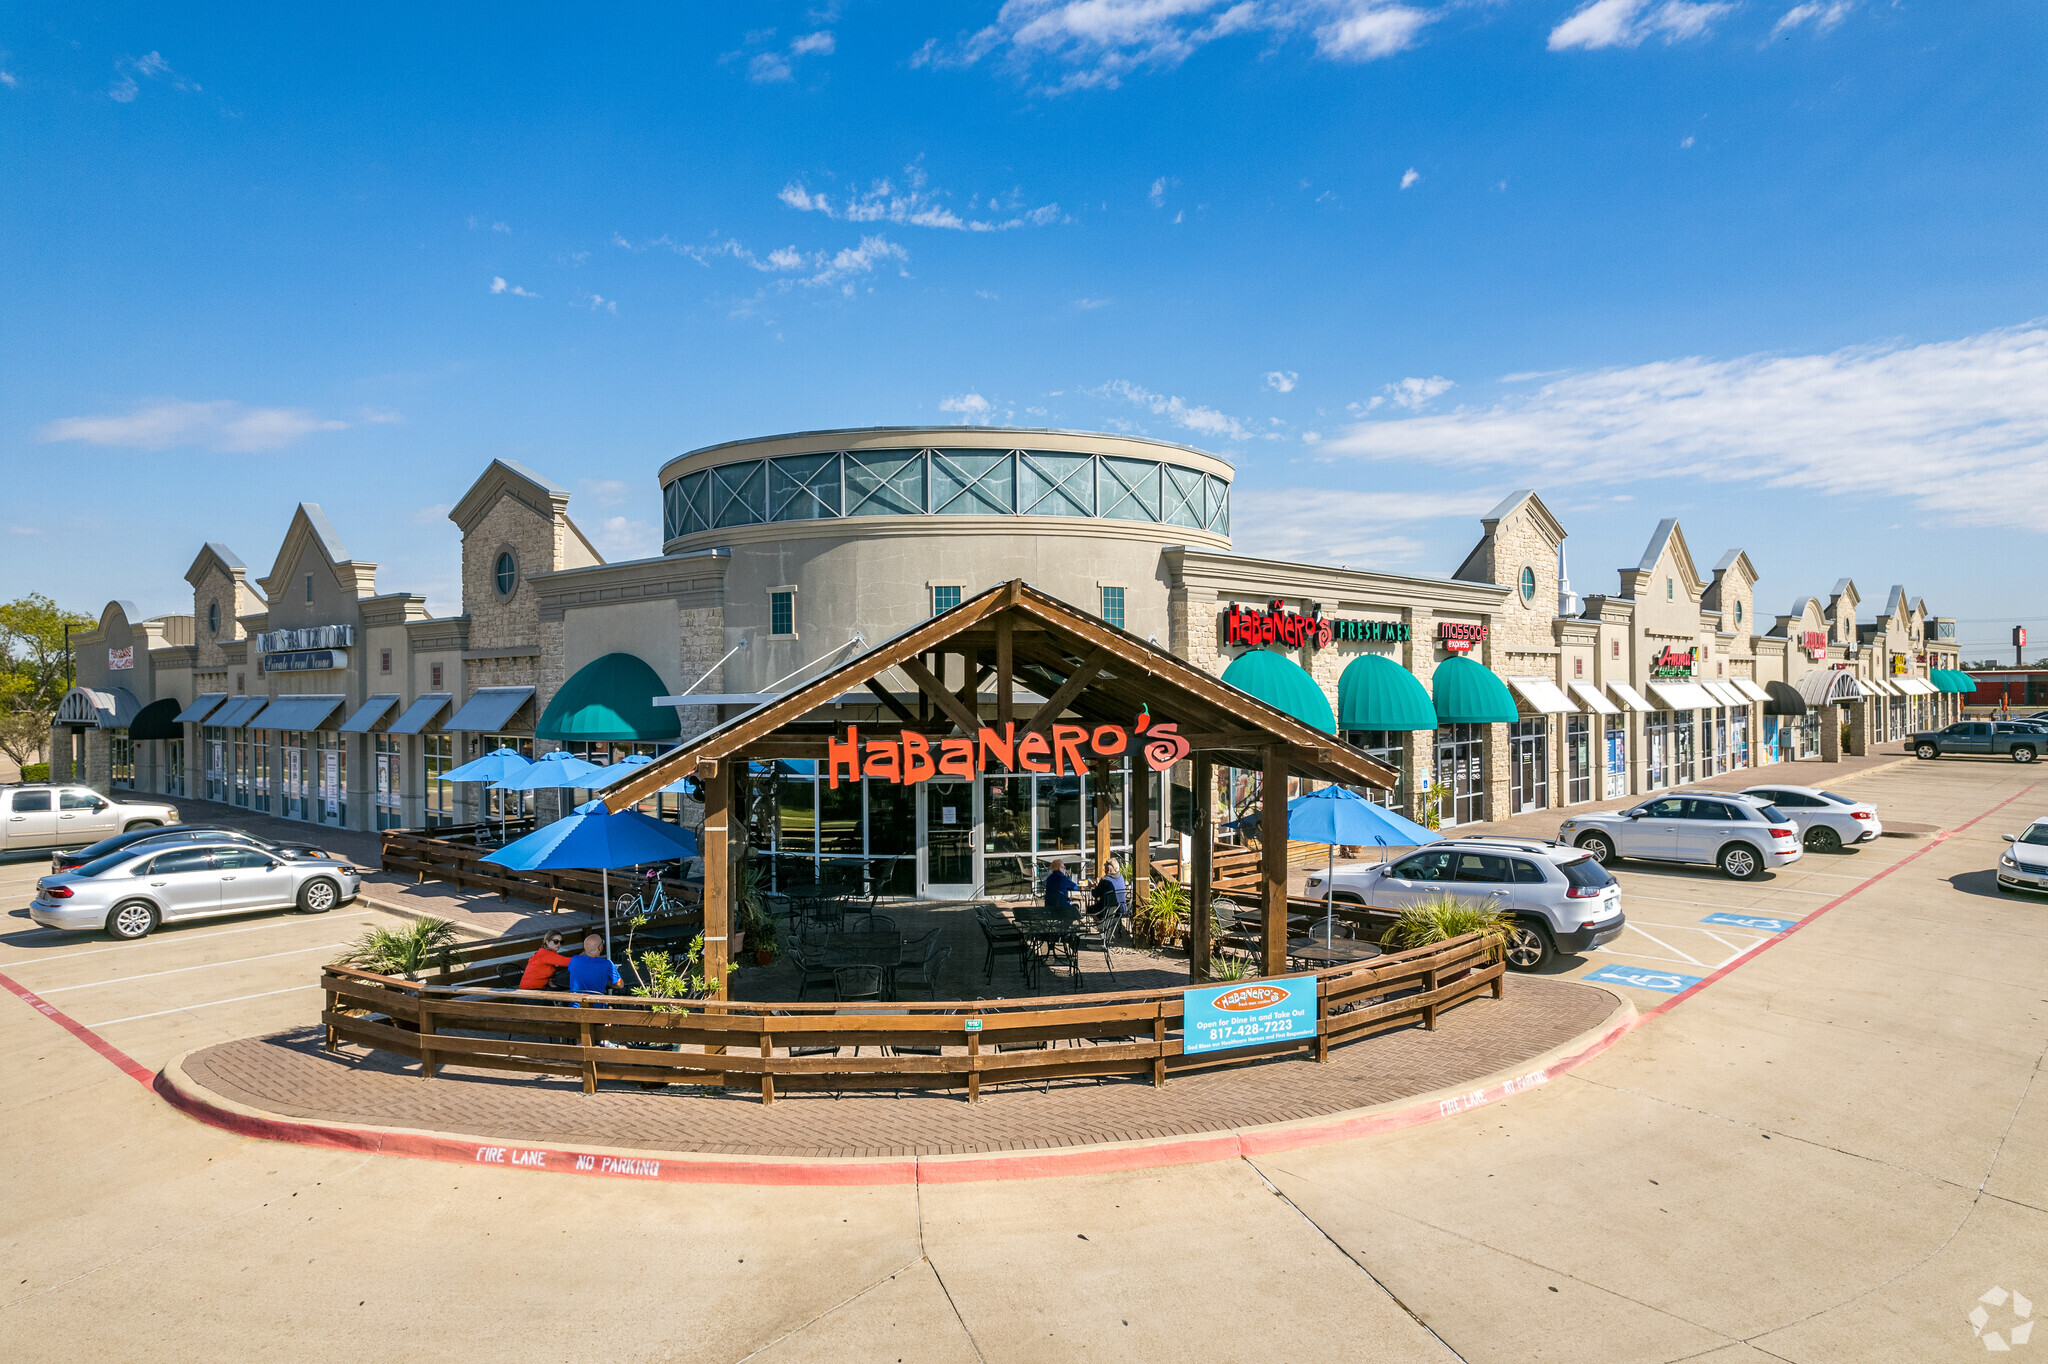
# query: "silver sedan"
131,892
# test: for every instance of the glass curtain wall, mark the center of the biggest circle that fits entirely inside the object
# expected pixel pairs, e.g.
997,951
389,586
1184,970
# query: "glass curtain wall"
1461,771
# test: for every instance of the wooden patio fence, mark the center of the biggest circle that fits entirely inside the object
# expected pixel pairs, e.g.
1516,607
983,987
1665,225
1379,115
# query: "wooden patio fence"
781,1047
453,854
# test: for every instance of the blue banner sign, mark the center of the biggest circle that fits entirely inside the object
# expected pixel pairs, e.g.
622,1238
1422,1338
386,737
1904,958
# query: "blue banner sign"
1248,1013
305,661
1757,922
1670,982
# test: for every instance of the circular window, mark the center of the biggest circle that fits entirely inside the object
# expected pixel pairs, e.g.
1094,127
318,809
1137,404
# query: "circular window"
213,618
507,572
1738,613
1528,584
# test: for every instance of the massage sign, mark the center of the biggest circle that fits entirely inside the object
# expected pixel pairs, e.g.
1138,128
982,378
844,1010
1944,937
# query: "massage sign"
912,757
1277,625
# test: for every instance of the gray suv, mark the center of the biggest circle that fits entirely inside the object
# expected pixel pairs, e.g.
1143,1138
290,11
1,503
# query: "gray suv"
1561,899
40,816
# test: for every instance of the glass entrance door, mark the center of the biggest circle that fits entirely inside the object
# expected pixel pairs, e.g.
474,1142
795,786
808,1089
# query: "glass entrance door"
946,839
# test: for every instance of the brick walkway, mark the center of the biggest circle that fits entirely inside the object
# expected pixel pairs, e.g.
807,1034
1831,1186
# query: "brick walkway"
289,1075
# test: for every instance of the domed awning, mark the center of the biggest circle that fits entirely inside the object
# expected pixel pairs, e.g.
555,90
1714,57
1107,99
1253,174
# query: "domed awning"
1375,692
611,700
1467,694
1282,684
157,720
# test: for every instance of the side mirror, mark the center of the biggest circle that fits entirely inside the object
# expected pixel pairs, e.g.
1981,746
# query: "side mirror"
272,866
2010,838
99,805
1633,814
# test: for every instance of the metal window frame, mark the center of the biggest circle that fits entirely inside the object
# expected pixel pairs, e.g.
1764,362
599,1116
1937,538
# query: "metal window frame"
975,486
1057,486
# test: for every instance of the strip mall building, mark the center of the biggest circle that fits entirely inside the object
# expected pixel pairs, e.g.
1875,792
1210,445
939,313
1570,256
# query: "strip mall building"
309,693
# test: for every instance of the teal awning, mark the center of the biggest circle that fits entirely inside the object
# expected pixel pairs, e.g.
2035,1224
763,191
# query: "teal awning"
1282,684
1375,692
157,720
611,700
1953,680
1467,694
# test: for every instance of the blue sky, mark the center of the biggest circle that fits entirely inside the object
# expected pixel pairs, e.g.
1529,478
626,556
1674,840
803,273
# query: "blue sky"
1776,269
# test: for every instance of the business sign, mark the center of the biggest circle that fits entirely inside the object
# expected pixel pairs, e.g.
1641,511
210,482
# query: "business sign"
1898,665
1815,642
1277,625
2019,636
1457,636
121,660
1675,662
305,661
1249,1013
912,757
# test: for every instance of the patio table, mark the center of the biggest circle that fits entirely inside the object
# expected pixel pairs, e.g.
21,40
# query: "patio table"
863,949
1337,954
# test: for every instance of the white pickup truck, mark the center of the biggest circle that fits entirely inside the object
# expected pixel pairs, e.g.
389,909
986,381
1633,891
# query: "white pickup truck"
40,816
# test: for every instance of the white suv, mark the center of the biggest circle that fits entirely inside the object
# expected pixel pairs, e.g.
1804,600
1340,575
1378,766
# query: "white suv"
1741,834
42,816
1561,899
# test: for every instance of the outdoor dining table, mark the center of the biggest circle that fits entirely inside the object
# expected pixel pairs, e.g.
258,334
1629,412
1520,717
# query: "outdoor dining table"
879,949
1316,954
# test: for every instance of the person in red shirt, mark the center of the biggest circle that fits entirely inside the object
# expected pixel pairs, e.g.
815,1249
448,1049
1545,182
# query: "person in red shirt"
542,965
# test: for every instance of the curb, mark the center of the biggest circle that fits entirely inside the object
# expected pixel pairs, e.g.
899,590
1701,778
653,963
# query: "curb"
190,1097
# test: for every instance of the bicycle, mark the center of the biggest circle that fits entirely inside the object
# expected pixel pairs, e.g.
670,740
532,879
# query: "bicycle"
651,901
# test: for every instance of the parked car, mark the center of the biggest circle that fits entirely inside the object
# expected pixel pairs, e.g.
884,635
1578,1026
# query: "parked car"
131,892
2024,866
1826,822
1740,834
40,815
65,860
1561,899
2000,738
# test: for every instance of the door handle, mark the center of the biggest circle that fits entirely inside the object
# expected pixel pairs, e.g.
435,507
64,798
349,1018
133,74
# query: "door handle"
159,883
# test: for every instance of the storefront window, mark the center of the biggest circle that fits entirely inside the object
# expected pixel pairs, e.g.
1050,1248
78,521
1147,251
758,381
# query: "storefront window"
1461,771
294,775
1578,759
1738,737
331,780
1683,767
1617,756
1720,741
121,758
1657,750
892,837
215,741
1529,764
242,768
390,774
174,767
437,755
1383,746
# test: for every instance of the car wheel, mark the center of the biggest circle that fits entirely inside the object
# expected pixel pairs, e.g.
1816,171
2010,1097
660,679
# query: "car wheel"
1528,948
141,824
2023,755
132,920
1821,839
1741,861
1598,848
318,896
1925,751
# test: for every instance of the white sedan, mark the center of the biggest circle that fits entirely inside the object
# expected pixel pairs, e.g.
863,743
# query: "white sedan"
2024,866
1827,822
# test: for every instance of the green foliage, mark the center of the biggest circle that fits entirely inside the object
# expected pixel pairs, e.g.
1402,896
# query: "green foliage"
35,771
421,944
666,979
1443,917
750,901
1225,966
34,671
1433,798
1158,921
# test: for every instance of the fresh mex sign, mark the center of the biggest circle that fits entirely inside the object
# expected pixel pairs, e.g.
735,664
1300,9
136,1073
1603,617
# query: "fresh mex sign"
912,757
1277,625
1674,662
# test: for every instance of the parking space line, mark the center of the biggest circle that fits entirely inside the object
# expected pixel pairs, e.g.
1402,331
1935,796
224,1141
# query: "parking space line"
202,966
1693,927
138,946
136,1018
1669,948
1640,956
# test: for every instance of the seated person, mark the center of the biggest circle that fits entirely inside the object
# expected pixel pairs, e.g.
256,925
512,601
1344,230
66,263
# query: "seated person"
1059,892
593,972
543,966
1110,894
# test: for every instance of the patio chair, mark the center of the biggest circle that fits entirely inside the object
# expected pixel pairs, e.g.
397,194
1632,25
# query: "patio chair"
1003,940
1096,935
809,1051
874,923
811,968
918,948
924,975
857,982
1058,957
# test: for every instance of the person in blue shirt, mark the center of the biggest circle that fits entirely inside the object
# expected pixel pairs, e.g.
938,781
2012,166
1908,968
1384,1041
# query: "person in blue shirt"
1112,892
593,973
1059,892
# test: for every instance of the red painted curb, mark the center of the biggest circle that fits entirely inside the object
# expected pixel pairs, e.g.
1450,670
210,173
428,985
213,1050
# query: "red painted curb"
129,1066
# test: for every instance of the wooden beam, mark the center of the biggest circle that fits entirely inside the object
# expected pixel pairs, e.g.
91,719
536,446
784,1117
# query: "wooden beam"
784,748
1138,824
929,684
902,712
1273,861
1198,876
1228,738
717,871
1104,779
1006,671
1076,683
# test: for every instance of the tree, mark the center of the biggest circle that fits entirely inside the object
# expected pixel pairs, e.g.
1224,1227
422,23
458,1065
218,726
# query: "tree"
34,671
23,735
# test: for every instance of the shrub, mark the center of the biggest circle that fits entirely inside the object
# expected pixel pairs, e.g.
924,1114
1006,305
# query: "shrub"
35,772
1158,921
1443,917
669,979
401,951
1226,966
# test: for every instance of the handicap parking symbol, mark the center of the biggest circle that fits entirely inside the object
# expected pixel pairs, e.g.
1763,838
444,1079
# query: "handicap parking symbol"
1670,982
1757,922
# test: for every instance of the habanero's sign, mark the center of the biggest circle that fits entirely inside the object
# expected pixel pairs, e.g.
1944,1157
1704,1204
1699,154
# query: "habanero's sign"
1277,625
912,757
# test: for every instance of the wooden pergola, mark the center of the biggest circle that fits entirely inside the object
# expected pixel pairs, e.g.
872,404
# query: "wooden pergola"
1090,674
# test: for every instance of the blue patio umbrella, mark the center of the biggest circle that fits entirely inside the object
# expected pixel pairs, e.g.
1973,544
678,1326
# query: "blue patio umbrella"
594,839
552,769
493,767
618,771
1336,815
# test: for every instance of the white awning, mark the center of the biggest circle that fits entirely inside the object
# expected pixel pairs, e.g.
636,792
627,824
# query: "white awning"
1824,686
1915,686
1749,689
1682,696
420,713
1726,695
1542,695
200,709
110,709
1591,701
1630,697
1880,686
301,711
488,708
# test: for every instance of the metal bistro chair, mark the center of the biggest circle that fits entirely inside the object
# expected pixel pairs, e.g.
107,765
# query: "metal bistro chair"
810,1051
918,948
810,965
1096,935
1059,957
1003,940
874,923
924,975
850,983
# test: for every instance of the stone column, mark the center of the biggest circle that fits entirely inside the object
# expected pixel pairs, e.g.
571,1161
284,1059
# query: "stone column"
1495,748
1859,724
1831,733
1418,770
99,762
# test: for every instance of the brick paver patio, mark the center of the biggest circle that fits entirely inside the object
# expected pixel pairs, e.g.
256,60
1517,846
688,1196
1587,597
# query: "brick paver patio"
289,1075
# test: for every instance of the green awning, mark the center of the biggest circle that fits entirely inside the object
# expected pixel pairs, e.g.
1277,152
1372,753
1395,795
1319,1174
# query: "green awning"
1953,680
1375,692
611,700
1467,694
157,720
1282,684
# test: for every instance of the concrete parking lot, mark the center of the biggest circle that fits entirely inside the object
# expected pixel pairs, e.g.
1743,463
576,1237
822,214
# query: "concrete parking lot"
1832,1152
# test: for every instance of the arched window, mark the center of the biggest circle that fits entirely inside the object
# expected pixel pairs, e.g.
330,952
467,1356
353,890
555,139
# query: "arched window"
507,572
1528,584
1738,613
213,618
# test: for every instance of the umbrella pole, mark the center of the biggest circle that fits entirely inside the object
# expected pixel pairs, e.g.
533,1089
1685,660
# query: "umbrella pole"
604,881
1330,901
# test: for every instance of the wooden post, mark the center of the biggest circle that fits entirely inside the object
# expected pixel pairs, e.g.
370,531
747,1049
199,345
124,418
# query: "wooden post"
767,1080
1429,980
1273,861
717,868
974,1065
1158,1044
1139,825
589,1058
427,1062
1198,874
1103,778
1005,702
333,1003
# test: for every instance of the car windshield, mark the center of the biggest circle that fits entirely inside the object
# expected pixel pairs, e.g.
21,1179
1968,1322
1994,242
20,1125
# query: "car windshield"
2036,833
103,864
1582,872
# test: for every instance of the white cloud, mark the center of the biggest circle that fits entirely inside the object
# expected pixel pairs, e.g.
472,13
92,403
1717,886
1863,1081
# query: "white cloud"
1206,420
498,286
1687,143
769,67
809,44
915,206
221,425
598,303
501,227
1094,44
9,79
1822,16
1158,193
1281,380
150,67
971,408
1415,394
620,537
1410,177
380,416
1626,23
1089,305
605,492
1348,527
1958,427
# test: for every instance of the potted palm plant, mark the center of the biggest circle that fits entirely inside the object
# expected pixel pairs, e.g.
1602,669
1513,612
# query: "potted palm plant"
1443,917
407,952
